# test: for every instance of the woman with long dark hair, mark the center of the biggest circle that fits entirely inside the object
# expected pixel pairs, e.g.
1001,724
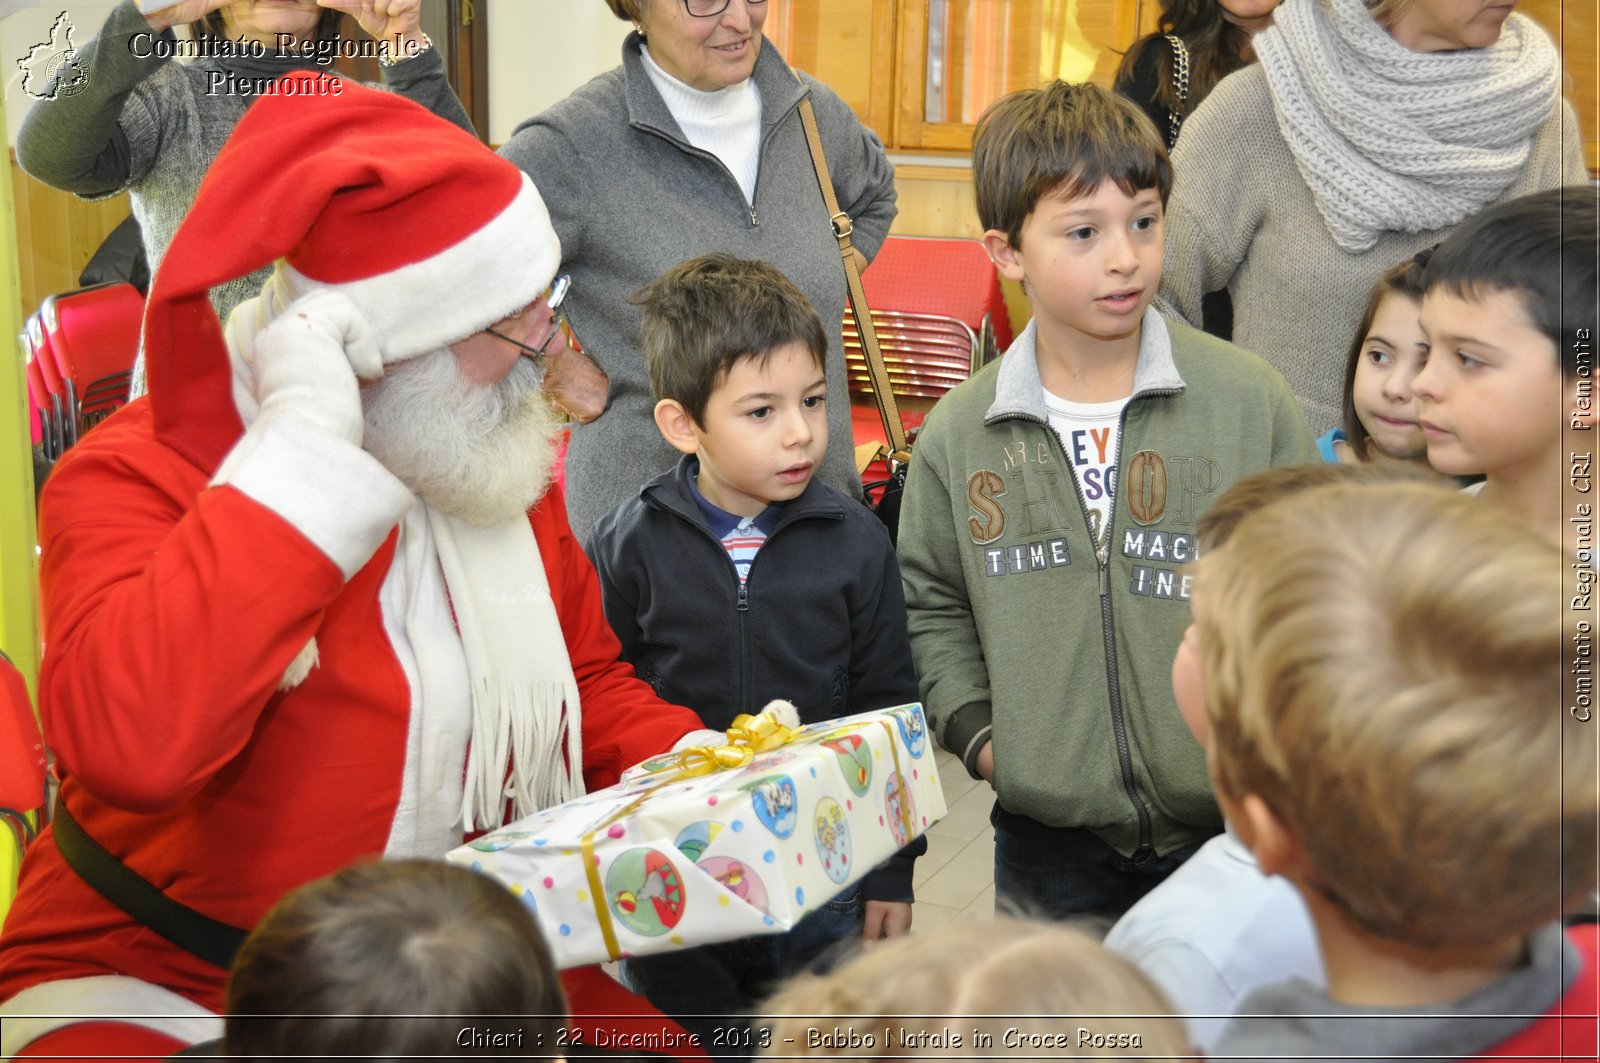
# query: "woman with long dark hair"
1196,44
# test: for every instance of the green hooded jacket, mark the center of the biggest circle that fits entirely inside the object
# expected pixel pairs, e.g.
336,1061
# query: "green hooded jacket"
1022,634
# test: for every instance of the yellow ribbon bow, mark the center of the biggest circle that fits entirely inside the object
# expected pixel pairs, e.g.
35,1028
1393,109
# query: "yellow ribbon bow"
748,736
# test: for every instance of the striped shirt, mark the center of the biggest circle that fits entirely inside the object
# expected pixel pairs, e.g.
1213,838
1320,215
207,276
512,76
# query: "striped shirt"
742,541
741,536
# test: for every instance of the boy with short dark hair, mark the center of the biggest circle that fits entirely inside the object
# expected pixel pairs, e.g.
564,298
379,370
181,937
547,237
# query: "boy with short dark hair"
1510,316
1052,499
736,579
394,960
1379,667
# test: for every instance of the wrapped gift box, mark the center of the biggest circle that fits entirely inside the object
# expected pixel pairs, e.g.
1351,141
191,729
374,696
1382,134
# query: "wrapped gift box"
664,861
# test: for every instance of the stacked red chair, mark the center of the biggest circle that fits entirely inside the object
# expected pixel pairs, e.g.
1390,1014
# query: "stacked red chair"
81,350
949,278
940,316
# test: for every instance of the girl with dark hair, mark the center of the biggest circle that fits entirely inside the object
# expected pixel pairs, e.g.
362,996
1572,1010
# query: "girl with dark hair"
1386,354
1197,43
144,124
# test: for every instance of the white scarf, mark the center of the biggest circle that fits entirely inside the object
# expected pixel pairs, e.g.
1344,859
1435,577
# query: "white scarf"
1391,140
525,709
525,737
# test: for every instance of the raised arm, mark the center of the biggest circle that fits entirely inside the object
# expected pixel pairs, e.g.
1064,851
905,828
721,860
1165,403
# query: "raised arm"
419,73
74,141
173,608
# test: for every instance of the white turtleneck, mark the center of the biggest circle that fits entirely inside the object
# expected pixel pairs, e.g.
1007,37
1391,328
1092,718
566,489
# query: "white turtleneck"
725,122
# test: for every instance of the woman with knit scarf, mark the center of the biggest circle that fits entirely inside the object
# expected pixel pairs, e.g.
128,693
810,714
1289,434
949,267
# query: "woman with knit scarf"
1365,133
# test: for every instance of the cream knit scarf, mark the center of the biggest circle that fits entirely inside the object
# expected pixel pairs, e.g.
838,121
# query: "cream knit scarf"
1391,140
525,742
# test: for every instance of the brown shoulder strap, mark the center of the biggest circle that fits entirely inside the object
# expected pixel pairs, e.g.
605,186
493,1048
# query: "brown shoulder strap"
899,452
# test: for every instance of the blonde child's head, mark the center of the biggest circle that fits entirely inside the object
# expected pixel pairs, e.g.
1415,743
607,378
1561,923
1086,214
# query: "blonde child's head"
1258,490
1383,680
1386,354
1031,988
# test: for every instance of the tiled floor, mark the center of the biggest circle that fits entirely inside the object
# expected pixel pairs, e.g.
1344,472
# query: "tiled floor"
956,877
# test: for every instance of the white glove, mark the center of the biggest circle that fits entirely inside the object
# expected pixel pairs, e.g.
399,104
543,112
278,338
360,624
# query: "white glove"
785,712
308,359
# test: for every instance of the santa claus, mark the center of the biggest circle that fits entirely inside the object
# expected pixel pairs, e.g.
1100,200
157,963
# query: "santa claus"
315,598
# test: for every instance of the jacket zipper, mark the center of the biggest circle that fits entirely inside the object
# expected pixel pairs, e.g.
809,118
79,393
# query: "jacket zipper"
742,603
1102,557
744,640
761,153
1119,723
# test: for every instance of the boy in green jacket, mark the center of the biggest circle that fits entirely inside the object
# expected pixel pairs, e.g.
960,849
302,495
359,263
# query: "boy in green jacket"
1051,506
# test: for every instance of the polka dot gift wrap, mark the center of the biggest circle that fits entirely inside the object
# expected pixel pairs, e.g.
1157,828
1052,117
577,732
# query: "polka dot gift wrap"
665,860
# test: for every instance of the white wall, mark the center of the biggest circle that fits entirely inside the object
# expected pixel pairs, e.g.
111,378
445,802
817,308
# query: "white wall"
540,50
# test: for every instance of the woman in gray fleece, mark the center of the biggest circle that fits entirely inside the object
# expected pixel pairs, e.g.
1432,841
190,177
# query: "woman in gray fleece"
693,145
150,126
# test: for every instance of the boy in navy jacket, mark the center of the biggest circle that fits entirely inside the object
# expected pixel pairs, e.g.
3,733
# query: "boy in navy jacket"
736,579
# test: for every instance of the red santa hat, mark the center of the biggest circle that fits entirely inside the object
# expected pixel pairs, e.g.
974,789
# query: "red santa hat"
426,230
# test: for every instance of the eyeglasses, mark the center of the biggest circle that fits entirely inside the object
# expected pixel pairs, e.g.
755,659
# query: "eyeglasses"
713,8
554,296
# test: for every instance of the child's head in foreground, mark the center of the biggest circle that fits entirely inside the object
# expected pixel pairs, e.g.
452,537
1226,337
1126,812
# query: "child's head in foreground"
1216,527
1509,315
1382,680
394,959
735,354
1387,352
1071,182
1040,989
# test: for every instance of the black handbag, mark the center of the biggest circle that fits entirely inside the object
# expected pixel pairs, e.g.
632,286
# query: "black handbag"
899,450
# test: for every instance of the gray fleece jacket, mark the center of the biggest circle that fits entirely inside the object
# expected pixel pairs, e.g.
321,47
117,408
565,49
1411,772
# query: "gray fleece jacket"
630,197
1296,1022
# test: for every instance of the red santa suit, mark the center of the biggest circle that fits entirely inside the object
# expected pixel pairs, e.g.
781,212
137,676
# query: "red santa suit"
190,741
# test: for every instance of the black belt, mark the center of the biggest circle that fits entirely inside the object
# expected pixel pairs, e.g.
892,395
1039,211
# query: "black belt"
197,934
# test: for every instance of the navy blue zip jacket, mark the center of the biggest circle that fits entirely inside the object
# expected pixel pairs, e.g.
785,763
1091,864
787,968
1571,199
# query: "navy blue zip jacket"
820,621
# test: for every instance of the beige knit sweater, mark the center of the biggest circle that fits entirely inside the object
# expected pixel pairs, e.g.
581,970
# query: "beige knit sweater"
1242,218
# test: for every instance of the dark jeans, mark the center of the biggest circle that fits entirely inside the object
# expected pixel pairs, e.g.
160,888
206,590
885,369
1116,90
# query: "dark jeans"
711,989
1068,872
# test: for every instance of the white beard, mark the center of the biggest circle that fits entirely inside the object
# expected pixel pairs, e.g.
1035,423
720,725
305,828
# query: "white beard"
481,455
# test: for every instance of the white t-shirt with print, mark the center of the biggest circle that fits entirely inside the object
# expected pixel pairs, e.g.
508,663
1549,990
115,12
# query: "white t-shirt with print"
1088,433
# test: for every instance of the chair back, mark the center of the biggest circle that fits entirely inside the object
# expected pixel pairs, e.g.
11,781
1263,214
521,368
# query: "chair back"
38,403
92,335
949,277
51,393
